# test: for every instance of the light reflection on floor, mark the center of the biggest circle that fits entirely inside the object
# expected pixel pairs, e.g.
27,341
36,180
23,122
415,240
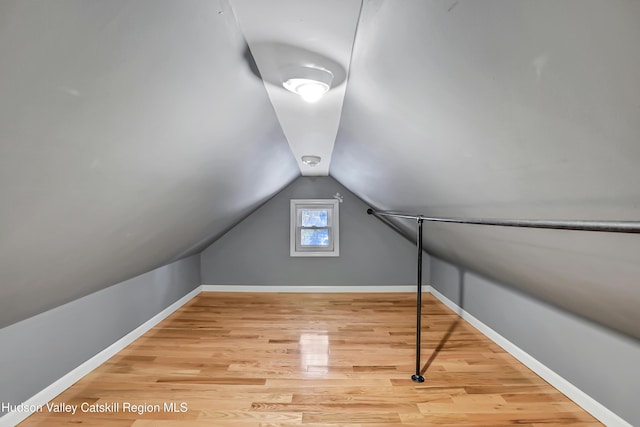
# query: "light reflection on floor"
314,354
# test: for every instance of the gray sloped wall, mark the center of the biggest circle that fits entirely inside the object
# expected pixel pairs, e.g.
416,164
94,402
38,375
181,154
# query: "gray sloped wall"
123,142
256,252
506,109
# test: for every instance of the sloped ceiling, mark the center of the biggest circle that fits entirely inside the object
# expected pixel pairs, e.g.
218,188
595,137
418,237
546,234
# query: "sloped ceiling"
506,109
131,133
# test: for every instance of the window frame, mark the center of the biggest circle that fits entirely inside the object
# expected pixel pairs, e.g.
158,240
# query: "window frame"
333,225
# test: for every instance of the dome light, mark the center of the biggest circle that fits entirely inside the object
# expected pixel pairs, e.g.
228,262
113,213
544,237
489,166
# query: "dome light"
309,90
308,82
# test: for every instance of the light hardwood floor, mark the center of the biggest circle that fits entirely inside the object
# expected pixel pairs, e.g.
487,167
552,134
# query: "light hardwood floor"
249,359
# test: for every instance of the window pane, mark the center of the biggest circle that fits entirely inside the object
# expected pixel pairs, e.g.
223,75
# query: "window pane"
314,237
314,217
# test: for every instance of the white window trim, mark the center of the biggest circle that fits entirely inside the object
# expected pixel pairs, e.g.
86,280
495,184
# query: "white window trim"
334,229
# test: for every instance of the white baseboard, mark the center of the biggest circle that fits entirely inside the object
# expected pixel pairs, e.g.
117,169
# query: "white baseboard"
589,404
317,289
46,395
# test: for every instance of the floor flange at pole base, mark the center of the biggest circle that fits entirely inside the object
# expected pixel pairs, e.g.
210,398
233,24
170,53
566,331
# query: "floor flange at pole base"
417,378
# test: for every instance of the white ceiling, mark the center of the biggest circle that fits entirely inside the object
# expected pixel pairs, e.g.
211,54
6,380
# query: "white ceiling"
136,132
285,33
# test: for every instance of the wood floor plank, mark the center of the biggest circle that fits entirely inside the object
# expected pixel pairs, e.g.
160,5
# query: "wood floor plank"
260,360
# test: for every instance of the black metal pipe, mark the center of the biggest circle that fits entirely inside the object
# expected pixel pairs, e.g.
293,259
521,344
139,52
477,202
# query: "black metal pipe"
392,225
605,226
582,225
417,377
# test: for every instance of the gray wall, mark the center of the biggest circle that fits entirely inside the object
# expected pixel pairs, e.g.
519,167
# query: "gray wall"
597,360
40,350
112,131
505,109
256,252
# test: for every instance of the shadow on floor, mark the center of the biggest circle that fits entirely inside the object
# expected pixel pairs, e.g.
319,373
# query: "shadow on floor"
440,346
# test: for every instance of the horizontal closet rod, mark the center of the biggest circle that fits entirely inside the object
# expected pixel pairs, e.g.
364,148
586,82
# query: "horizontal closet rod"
608,226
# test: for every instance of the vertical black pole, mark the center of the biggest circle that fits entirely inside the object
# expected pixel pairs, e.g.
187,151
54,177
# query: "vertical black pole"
417,377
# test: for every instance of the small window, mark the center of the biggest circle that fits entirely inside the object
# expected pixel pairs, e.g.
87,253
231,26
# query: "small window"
314,227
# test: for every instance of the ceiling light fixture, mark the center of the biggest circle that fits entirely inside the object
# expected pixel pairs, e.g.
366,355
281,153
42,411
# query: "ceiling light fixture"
308,82
311,160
